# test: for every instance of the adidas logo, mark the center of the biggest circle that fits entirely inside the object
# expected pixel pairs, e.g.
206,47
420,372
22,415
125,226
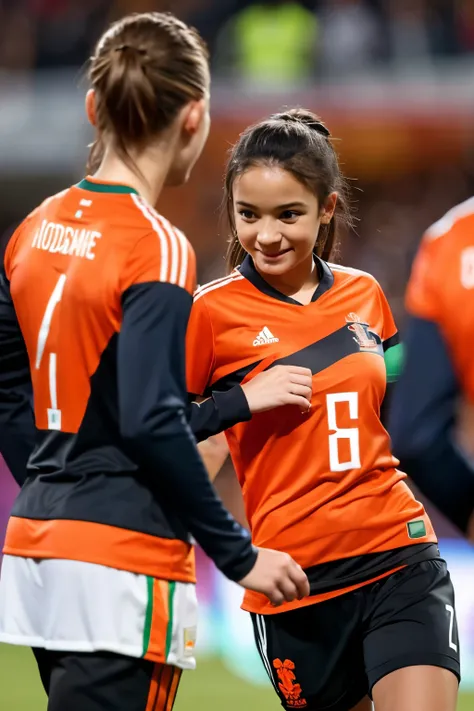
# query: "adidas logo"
265,337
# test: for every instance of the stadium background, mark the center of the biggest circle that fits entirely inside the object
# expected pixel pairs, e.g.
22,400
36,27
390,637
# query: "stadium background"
393,79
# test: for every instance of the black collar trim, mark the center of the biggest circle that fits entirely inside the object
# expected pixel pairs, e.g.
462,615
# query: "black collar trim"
326,280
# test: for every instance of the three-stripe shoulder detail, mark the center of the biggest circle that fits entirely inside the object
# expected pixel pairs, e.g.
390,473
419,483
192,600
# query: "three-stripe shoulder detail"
173,244
446,223
350,270
217,284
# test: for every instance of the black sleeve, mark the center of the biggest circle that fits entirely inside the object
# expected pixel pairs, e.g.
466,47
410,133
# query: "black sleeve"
17,425
421,422
218,413
152,406
393,356
386,405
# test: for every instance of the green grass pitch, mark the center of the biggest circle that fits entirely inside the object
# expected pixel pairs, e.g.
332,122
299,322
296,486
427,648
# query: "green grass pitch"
210,687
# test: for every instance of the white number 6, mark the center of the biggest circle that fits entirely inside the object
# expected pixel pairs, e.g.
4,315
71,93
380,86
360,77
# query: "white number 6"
350,434
54,414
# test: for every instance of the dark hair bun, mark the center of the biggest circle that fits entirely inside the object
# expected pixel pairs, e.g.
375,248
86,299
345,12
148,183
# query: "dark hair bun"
306,117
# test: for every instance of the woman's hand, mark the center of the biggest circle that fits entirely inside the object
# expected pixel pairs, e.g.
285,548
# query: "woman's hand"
281,385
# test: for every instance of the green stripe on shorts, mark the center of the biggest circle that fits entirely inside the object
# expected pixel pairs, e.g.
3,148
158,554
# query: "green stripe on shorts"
148,614
169,631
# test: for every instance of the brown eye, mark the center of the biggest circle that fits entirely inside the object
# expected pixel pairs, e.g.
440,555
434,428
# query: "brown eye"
289,215
247,214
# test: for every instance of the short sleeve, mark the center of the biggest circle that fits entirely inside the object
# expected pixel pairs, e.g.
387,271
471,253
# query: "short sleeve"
200,354
161,257
421,297
388,328
393,352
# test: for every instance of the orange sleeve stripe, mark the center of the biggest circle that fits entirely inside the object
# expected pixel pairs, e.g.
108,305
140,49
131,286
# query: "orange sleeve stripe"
119,548
174,246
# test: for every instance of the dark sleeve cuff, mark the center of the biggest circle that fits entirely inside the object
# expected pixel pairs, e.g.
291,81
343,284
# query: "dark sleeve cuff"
238,569
392,341
218,413
233,406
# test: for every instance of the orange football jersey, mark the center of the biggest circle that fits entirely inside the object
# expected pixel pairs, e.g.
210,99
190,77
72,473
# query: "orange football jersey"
78,223
441,286
69,265
322,486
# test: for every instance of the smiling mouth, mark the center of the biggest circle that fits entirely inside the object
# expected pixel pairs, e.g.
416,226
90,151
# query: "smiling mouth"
275,255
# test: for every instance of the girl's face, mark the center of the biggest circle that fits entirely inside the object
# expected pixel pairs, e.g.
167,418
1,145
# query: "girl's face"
278,219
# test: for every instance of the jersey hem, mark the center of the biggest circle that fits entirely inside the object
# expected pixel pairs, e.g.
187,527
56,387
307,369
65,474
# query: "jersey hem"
110,546
318,598
135,652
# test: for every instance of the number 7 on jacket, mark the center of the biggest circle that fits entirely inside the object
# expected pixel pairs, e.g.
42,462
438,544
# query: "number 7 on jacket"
54,414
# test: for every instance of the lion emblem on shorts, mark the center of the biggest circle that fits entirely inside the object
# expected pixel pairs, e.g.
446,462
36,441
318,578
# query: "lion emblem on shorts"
287,683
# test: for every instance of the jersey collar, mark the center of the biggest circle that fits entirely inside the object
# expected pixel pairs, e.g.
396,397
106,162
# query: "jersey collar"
100,186
326,280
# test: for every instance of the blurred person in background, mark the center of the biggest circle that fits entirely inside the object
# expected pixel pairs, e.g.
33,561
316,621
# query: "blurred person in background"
465,25
409,36
46,34
211,17
181,8
432,413
66,29
443,20
271,43
17,35
322,485
350,37
95,293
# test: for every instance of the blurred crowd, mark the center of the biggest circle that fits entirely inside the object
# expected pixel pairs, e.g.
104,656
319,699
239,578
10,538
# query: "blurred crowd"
256,40
281,43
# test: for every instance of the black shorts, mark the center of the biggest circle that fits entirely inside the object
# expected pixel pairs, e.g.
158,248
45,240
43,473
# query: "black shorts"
97,681
328,656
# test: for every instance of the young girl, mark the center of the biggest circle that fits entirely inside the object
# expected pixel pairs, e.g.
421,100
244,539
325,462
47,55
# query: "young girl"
322,485
95,290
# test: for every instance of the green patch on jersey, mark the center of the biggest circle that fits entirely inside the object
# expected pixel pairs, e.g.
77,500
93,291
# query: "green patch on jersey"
416,529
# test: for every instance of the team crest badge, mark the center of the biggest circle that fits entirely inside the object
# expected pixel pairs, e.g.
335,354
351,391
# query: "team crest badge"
287,684
362,335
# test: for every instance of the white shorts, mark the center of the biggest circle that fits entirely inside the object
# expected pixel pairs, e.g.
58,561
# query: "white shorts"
68,605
